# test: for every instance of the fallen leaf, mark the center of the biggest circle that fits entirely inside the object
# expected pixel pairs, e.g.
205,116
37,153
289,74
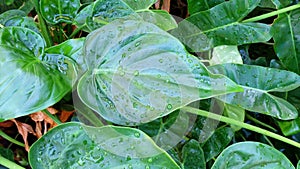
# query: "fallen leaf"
24,129
65,115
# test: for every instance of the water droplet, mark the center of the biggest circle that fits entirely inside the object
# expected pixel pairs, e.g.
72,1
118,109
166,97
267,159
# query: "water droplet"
123,55
147,167
160,60
150,160
134,104
136,73
169,106
122,73
128,158
137,134
80,162
247,84
137,44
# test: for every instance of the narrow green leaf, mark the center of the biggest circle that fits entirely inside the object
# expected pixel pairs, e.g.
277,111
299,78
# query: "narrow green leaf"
138,73
195,6
221,25
258,82
59,11
251,155
193,156
285,32
73,145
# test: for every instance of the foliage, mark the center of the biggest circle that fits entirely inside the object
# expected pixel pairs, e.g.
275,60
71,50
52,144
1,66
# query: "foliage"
144,95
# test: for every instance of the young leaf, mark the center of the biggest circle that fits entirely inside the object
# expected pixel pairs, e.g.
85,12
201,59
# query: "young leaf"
287,44
59,11
226,54
73,145
193,156
195,6
217,142
221,25
138,73
258,82
37,83
251,155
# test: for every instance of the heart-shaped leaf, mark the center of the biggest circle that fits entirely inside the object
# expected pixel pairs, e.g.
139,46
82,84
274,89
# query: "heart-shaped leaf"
193,156
258,82
138,73
221,25
73,145
251,155
28,81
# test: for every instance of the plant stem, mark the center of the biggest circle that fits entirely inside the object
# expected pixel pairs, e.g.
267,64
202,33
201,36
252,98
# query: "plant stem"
274,13
54,118
9,164
260,123
76,31
12,140
241,124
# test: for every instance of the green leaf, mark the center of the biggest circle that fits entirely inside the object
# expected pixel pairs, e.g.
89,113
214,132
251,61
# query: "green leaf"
139,5
251,155
59,11
28,81
287,43
73,145
282,3
7,153
25,22
267,4
225,54
298,165
291,127
6,16
234,112
193,156
160,18
221,25
138,73
195,6
217,142
258,82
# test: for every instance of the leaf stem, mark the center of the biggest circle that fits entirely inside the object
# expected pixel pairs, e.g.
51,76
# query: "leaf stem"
9,164
270,14
12,140
241,124
54,118
260,123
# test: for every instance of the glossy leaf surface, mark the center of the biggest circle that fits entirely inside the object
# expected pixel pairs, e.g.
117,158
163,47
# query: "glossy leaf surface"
193,156
195,6
251,155
28,82
258,82
73,145
225,54
234,112
139,5
59,10
221,25
5,16
287,42
130,83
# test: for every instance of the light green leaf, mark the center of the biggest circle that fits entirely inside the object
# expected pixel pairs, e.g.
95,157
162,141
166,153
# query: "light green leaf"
138,73
59,11
225,54
193,156
73,145
221,25
234,112
195,6
28,81
139,5
252,155
287,44
5,16
258,82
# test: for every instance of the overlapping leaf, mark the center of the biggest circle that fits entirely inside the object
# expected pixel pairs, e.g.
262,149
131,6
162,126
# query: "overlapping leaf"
258,82
195,6
73,145
193,155
221,25
128,82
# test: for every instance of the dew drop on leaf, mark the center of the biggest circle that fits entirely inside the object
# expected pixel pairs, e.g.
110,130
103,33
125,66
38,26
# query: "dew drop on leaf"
137,134
136,73
169,106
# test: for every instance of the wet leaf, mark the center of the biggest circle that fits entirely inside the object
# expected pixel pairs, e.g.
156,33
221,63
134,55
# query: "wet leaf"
74,145
59,11
251,155
130,83
258,82
195,6
221,25
225,54
139,5
217,142
38,83
6,16
287,43
234,112
193,156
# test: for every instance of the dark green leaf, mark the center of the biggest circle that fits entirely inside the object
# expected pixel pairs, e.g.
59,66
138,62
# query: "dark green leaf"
6,16
195,6
29,81
15,4
217,142
258,82
282,3
73,145
59,11
193,156
287,44
25,22
291,127
129,82
251,155
7,153
221,25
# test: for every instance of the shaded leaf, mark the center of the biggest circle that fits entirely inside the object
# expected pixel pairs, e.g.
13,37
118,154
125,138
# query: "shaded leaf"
88,147
7,153
291,127
267,4
258,82
225,54
195,6
221,25
251,155
287,43
59,11
217,142
193,156
129,82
